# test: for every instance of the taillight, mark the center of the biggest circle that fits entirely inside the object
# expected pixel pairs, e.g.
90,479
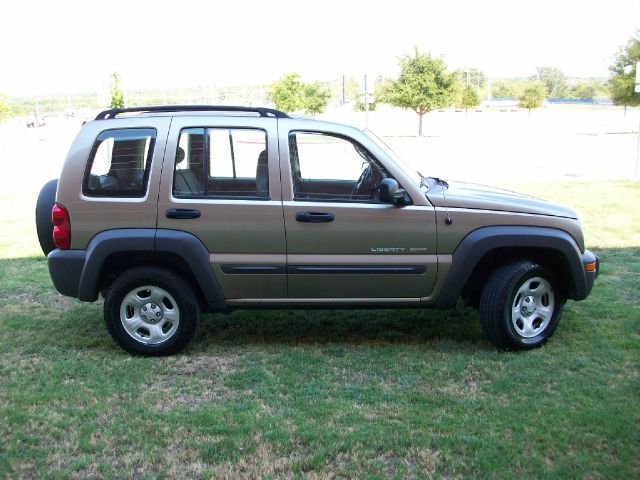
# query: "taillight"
61,227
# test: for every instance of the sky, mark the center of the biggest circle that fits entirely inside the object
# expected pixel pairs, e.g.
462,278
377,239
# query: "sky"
73,46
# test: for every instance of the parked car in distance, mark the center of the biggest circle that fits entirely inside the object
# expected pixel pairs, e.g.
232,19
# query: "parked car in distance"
36,121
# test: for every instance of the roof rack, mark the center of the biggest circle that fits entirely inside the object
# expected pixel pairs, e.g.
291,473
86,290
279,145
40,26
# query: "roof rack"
263,112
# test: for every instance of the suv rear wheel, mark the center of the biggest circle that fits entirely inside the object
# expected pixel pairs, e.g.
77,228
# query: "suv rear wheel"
520,306
151,311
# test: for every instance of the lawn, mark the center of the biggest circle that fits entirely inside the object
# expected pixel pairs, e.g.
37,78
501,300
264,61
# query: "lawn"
326,394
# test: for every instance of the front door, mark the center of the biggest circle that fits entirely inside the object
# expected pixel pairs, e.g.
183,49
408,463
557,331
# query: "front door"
343,244
225,171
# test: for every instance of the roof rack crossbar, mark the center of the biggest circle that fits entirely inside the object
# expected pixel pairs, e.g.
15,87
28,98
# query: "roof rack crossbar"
263,112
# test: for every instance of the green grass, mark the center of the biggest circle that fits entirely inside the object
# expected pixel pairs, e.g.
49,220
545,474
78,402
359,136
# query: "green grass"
318,394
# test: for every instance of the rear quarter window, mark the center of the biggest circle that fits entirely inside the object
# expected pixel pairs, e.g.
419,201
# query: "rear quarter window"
119,163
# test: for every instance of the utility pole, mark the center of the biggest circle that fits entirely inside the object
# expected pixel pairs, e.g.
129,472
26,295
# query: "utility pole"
637,90
637,153
367,99
366,103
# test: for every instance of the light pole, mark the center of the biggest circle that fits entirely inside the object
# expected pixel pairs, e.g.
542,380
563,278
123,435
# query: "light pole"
637,90
367,98
366,103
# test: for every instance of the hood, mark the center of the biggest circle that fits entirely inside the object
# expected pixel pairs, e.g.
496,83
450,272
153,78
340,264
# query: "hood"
468,195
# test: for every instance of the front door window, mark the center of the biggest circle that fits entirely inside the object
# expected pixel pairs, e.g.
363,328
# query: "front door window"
331,168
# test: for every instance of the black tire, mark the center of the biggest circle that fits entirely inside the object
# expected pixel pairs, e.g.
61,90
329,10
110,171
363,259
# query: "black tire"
176,289
513,320
44,227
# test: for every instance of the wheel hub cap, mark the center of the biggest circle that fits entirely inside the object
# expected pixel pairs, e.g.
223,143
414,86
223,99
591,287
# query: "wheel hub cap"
151,313
528,306
533,307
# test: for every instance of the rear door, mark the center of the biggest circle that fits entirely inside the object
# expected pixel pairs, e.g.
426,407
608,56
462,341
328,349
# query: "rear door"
343,244
227,169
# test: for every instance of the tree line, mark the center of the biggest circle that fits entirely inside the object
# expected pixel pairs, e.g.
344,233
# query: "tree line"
425,84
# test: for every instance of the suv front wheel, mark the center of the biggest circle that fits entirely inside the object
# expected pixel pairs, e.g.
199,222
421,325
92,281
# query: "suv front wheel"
520,306
151,311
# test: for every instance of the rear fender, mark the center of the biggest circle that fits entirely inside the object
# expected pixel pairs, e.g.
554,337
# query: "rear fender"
183,244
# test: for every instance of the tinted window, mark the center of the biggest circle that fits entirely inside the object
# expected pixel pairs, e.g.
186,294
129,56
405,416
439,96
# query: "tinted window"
221,162
119,163
329,167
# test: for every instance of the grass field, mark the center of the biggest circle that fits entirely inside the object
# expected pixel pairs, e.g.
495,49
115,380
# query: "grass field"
324,394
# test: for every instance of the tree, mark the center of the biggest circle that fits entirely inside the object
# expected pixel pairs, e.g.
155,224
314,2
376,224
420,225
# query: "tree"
117,96
554,80
286,93
503,89
623,74
583,90
533,95
469,98
315,98
4,107
424,84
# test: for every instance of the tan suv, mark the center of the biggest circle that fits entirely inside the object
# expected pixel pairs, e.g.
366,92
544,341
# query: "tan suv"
171,211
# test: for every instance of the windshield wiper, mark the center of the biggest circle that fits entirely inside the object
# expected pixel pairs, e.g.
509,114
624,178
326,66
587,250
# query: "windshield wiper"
439,181
424,181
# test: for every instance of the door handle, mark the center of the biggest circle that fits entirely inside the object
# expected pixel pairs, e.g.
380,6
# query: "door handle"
182,213
314,217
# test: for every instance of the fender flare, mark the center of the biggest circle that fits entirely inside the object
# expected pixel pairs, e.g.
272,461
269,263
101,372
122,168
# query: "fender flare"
185,245
478,243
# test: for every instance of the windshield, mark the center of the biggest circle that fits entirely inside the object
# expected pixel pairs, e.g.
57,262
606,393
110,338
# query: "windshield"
414,174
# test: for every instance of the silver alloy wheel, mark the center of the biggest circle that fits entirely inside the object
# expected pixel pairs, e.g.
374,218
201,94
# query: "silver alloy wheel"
149,314
533,307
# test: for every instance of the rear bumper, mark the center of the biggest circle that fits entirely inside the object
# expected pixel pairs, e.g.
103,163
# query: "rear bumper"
588,258
65,268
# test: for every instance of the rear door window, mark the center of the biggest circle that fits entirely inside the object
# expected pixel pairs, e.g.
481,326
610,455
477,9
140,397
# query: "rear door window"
221,163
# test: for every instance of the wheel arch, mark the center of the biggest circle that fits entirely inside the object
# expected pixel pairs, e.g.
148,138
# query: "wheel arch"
111,252
498,257
488,248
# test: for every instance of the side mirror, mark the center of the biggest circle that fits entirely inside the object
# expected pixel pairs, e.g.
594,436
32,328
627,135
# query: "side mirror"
391,193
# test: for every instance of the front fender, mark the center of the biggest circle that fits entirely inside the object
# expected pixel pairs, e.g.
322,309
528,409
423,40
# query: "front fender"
482,241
